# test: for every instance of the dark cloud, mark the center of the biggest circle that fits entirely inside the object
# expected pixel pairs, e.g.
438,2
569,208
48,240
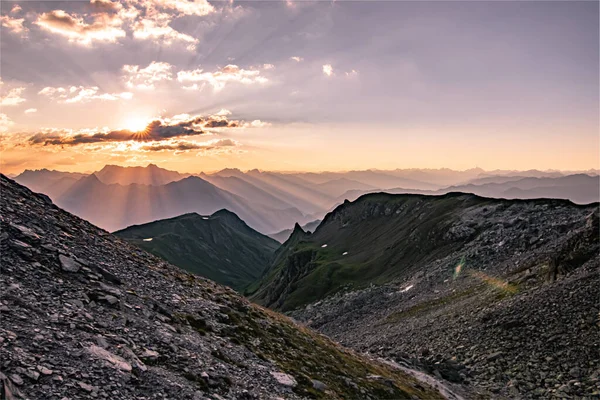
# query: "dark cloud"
154,132
186,146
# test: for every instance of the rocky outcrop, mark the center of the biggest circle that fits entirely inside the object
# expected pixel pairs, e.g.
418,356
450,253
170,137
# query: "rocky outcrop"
86,315
513,314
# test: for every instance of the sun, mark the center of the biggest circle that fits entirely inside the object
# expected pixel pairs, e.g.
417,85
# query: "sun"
135,123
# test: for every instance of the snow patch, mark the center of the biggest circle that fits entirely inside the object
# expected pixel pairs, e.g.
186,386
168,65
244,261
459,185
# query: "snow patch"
205,218
147,240
406,289
325,245
345,253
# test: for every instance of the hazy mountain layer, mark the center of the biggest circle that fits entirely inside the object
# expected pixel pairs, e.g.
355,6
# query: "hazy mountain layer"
86,315
149,175
579,188
272,201
51,183
115,206
220,247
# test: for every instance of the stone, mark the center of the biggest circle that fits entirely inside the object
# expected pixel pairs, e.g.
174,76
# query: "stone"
33,375
88,388
318,385
43,370
284,379
17,380
494,356
68,264
113,359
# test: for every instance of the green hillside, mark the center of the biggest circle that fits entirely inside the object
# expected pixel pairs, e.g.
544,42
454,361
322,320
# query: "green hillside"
220,247
382,237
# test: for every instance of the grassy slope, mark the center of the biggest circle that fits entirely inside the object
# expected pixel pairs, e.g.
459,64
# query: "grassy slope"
220,247
385,236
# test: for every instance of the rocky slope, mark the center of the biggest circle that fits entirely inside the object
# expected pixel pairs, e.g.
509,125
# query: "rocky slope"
86,315
504,297
220,247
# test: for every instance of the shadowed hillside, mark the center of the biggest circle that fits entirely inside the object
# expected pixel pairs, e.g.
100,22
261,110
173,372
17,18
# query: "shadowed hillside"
220,247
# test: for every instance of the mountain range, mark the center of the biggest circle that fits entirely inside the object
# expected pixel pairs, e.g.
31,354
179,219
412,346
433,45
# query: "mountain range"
87,315
448,288
116,197
220,247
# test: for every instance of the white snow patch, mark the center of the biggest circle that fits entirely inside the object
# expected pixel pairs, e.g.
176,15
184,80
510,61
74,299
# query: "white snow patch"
406,289
204,217
148,240
325,245
345,253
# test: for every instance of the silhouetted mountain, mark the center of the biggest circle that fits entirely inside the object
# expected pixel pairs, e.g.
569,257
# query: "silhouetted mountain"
51,183
149,175
294,196
580,188
373,178
116,206
86,315
245,189
220,247
336,187
283,235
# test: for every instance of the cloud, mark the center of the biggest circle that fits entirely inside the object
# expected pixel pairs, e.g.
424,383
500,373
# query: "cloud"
81,94
268,66
157,28
179,126
13,97
30,111
155,131
182,146
257,123
220,78
297,59
328,69
16,9
352,73
104,27
144,78
5,123
109,20
194,7
14,25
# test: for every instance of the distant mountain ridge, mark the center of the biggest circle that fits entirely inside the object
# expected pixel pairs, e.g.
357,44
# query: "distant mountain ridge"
220,247
275,201
116,206
149,175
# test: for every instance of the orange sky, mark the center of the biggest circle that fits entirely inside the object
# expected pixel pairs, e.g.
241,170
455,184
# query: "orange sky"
334,86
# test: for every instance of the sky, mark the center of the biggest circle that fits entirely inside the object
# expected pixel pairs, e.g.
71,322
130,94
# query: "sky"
299,85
